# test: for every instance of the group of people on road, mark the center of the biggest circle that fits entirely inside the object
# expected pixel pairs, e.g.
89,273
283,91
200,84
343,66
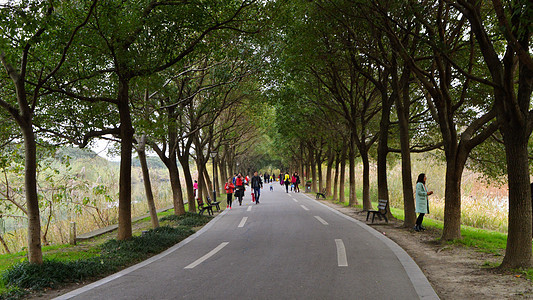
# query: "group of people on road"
236,186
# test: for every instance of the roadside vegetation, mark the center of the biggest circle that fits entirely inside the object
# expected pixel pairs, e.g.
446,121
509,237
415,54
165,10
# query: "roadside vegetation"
95,258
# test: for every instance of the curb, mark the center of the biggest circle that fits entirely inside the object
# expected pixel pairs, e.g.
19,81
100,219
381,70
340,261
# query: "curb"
152,259
420,282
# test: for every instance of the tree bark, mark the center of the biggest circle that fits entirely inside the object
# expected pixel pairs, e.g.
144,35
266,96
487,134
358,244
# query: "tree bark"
367,204
126,148
342,179
402,109
455,163
318,159
331,160
518,251
312,162
35,255
146,180
336,178
351,157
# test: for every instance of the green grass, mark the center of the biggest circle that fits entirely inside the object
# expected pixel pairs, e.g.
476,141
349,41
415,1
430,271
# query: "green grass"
94,258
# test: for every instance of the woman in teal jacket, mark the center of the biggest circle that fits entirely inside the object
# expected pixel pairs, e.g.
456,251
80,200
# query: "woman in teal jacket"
422,202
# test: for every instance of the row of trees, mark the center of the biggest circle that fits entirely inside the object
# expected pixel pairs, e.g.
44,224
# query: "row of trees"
172,76
377,77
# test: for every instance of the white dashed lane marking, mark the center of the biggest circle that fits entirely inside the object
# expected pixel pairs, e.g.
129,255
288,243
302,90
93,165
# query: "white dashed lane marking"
243,221
207,256
342,260
321,220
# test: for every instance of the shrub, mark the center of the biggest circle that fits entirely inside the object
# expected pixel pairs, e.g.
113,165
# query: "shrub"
188,219
115,255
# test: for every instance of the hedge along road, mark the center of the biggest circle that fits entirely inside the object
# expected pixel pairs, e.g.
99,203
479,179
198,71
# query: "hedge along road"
287,247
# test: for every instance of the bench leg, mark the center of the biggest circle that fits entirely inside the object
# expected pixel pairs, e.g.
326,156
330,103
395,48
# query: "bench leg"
385,216
201,212
367,215
373,216
210,211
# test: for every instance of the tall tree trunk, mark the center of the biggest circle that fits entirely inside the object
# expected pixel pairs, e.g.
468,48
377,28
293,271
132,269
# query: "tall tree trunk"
518,251
312,162
342,179
452,206
331,160
367,204
126,148
175,184
146,179
318,159
336,178
201,181
402,110
208,183
184,162
35,255
351,157
383,149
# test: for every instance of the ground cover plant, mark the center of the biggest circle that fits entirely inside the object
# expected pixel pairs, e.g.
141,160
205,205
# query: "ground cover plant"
66,264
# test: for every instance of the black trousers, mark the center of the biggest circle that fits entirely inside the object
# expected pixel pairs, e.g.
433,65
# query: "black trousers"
420,219
229,199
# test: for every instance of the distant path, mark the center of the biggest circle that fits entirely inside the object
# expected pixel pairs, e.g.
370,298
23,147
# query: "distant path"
287,247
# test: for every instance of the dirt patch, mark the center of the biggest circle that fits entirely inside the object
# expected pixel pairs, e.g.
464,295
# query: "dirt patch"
455,272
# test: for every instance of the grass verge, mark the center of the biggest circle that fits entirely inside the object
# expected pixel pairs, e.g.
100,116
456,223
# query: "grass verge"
67,264
488,241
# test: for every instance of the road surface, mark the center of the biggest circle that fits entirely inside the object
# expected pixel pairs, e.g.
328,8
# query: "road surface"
287,247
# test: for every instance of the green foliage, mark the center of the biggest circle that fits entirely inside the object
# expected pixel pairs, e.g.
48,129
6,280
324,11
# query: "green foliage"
113,256
188,219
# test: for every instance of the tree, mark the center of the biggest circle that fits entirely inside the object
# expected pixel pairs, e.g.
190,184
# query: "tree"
27,36
511,71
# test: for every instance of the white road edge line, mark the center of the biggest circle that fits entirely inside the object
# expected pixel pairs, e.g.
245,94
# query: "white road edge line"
321,220
249,208
341,253
243,221
208,255
418,279
303,206
152,259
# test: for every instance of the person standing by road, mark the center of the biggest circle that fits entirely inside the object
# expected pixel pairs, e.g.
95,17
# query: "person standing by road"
239,186
230,188
257,185
422,202
287,180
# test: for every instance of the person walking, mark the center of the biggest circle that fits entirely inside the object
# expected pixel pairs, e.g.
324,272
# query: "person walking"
287,180
296,182
239,186
422,202
195,188
230,188
257,185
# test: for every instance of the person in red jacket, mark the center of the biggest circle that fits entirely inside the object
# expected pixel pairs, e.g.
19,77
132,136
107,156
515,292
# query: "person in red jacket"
239,185
229,187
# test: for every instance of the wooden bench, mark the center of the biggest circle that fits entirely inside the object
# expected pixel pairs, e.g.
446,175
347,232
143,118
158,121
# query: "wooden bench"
203,207
323,194
215,204
381,212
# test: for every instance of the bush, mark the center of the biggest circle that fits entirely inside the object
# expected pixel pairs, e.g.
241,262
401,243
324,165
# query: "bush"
188,219
115,255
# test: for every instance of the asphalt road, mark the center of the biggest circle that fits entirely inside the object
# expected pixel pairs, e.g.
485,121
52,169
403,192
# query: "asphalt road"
287,247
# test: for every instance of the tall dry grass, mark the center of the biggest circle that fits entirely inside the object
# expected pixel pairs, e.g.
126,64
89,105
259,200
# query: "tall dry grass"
92,202
482,205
